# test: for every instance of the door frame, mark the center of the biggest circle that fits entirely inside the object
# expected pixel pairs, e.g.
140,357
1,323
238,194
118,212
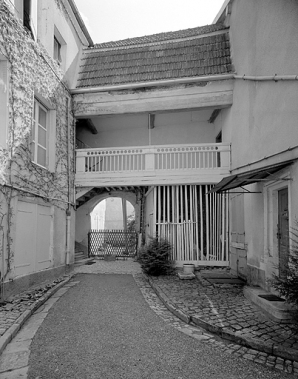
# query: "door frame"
271,209
283,255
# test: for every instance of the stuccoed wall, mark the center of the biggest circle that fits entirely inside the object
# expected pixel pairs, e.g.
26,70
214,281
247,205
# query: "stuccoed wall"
264,41
263,118
54,14
32,70
132,130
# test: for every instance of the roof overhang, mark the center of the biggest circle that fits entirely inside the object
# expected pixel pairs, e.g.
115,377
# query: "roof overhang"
263,174
222,13
80,22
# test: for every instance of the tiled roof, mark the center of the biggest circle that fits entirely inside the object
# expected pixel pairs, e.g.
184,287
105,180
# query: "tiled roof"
173,55
161,36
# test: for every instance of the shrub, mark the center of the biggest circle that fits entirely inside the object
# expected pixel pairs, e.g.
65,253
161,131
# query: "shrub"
155,257
287,283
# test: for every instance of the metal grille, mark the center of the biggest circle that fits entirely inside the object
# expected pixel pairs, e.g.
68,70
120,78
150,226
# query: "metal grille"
120,243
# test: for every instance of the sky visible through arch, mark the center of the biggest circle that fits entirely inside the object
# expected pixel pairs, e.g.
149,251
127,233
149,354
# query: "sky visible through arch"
112,20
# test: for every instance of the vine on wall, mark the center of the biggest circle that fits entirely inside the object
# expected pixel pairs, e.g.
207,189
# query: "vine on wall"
31,70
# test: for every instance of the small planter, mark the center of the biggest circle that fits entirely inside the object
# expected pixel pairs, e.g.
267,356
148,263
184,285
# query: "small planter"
188,268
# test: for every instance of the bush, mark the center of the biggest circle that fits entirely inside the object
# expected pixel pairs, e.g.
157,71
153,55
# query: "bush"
155,258
287,283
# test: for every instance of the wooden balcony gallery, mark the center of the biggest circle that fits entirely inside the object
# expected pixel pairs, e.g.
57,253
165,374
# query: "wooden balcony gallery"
153,165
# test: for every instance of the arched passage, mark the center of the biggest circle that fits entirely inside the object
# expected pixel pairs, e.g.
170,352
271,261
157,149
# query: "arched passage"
83,219
112,213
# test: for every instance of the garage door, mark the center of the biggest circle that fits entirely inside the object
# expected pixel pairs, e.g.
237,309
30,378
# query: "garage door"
33,238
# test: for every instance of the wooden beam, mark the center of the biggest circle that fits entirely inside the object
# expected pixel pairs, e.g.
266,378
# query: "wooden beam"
214,115
187,177
214,94
91,126
86,123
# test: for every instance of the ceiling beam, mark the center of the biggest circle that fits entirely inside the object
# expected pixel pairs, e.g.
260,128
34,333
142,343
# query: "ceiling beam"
214,115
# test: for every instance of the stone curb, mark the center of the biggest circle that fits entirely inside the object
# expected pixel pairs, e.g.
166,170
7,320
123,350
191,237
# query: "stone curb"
167,303
225,333
12,331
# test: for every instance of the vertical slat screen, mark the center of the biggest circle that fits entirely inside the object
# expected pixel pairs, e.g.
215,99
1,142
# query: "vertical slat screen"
194,221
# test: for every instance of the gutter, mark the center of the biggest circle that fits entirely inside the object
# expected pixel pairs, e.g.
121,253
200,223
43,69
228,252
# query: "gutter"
275,77
68,211
196,79
156,83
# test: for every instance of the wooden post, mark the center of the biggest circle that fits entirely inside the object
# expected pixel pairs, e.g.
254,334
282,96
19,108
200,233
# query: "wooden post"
149,159
207,222
124,213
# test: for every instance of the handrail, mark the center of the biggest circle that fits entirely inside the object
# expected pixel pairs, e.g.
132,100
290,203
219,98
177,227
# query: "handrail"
153,158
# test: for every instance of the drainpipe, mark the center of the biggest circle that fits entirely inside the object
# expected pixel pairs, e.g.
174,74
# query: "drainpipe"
68,211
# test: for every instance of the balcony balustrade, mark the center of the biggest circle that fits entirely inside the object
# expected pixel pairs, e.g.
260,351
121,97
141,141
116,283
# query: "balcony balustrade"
149,165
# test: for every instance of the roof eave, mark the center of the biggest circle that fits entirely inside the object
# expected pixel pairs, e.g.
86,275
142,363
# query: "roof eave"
152,83
221,15
81,22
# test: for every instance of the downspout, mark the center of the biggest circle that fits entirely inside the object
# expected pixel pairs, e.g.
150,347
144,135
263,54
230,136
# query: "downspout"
68,211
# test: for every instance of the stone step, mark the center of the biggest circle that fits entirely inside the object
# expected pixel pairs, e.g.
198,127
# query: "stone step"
83,261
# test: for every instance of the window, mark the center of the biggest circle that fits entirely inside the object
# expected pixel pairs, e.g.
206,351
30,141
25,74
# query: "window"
27,12
39,134
43,135
57,50
4,83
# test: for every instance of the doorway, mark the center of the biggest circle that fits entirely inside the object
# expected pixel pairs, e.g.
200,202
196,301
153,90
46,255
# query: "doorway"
283,231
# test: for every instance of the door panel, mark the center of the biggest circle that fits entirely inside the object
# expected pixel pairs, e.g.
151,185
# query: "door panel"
43,237
33,238
25,239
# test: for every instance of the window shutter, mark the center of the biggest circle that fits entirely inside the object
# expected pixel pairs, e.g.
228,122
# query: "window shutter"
3,102
52,141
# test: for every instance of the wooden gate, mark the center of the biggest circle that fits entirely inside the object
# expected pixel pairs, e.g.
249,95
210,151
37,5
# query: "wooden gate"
195,222
120,243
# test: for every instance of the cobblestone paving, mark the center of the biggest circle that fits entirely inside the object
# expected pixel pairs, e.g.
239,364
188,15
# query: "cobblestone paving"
15,306
185,296
201,335
225,306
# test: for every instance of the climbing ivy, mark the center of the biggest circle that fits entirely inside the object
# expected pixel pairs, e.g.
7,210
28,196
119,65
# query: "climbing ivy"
31,70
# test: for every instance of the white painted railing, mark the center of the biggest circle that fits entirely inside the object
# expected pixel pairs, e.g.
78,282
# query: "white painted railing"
153,158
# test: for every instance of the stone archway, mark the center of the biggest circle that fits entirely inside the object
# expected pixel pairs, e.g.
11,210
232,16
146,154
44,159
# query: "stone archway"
83,219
